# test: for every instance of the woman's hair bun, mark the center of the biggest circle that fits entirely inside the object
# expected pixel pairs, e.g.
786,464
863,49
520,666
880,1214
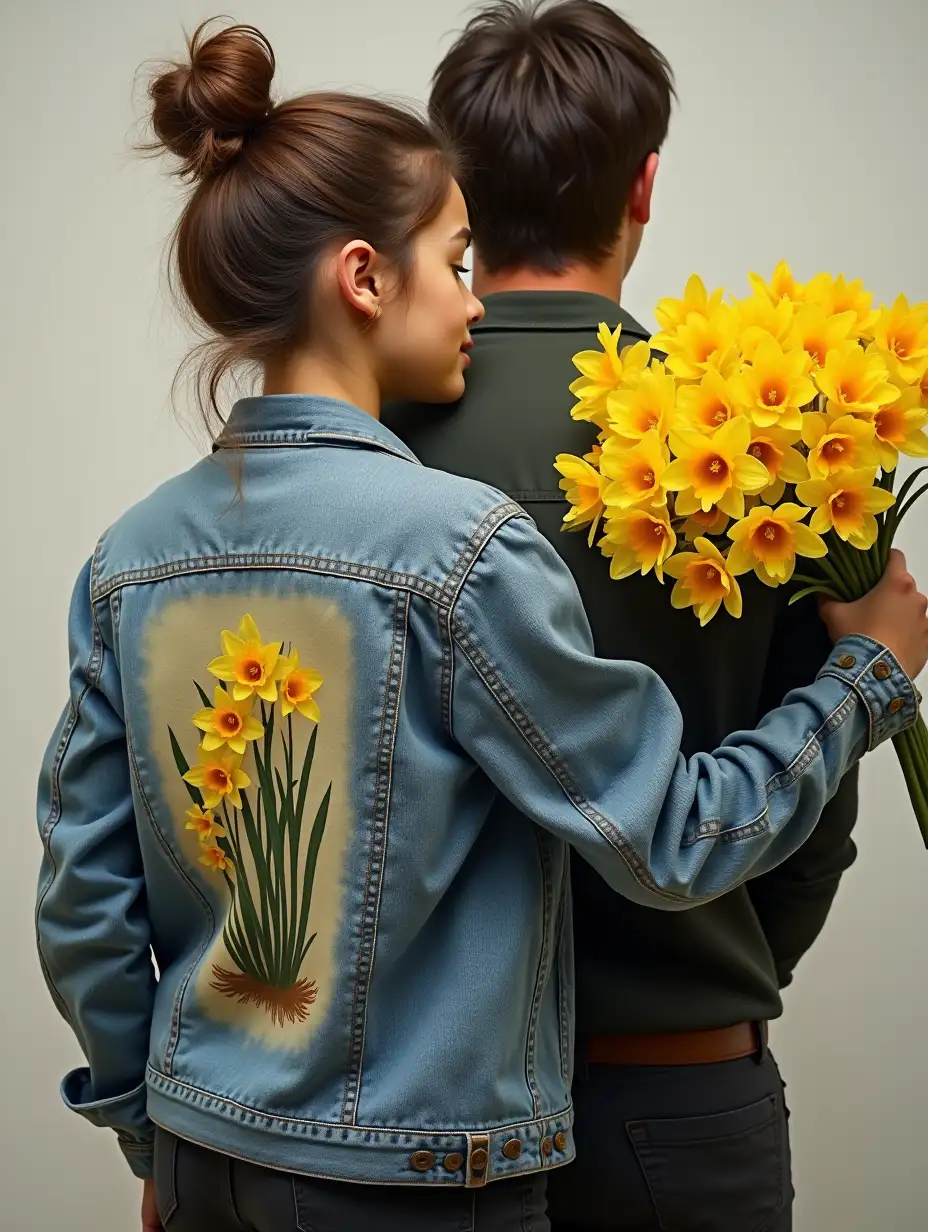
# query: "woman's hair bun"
204,110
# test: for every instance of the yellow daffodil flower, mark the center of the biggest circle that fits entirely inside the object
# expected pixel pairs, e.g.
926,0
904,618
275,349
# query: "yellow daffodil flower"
836,295
633,474
250,665
217,861
781,286
704,581
702,343
775,448
637,541
650,406
817,334
716,469
843,444
899,428
759,318
855,381
775,387
672,313
297,689
901,336
228,722
769,540
204,824
582,485
846,502
604,371
707,405
219,777
700,524
923,388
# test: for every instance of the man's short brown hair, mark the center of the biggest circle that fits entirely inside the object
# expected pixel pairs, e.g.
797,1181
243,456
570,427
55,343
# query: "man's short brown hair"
556,107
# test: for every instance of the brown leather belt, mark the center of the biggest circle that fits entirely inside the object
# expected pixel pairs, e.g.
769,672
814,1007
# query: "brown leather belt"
746,1039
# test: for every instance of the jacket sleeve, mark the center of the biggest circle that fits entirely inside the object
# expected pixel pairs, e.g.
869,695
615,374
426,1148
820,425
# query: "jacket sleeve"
792,901
590,748
91,920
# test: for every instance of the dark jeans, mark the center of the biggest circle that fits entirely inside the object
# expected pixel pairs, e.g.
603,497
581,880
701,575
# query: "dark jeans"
702,1148
200,1191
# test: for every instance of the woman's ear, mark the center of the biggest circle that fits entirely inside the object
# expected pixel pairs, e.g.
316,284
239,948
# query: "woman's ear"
359,279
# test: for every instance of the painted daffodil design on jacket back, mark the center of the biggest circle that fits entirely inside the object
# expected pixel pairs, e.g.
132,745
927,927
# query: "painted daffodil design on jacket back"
249,797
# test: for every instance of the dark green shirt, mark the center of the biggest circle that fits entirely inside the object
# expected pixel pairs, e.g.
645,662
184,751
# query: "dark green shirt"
641,970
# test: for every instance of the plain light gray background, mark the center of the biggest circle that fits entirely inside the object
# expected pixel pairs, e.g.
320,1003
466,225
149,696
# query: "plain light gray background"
800,133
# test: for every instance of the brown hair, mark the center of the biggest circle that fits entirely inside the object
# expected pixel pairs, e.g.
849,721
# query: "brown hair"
274,186
556,108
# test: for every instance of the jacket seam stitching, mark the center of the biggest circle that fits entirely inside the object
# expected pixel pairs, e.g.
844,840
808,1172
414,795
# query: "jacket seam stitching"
170,1051
456,579
373,886
306,440
159,1080
268,560
543,971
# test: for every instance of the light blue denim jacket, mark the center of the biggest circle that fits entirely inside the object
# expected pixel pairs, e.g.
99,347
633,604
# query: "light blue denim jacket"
361,923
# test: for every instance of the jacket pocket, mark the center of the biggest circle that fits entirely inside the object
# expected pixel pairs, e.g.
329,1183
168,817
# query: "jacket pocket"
721,1173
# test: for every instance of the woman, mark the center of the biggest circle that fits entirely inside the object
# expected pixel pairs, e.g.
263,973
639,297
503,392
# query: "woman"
335,719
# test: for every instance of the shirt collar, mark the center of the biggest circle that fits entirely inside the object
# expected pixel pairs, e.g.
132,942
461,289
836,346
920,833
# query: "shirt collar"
554,310
277,420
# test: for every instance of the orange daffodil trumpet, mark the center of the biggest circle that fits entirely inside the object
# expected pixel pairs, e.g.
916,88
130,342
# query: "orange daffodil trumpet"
753,433
704,581
769,540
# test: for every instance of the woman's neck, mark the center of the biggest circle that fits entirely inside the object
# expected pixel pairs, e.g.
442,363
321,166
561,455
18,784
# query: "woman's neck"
325,377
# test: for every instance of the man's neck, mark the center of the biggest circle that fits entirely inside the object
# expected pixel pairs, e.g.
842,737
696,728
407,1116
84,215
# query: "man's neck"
605,280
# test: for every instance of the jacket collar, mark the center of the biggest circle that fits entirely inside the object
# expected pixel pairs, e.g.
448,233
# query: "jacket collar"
554,310
277,420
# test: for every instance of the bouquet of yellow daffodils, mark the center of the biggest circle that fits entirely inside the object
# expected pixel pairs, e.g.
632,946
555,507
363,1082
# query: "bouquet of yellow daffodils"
764,437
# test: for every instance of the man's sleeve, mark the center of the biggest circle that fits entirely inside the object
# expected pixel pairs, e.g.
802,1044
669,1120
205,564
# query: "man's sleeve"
793,900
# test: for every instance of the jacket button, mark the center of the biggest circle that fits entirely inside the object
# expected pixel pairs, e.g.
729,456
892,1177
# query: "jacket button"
422,1160
560,1140
896,705
479,1160
546,1147
847,661
513,1148
453,1162
882,671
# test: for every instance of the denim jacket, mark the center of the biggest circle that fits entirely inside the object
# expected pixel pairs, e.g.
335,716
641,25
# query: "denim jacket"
303,673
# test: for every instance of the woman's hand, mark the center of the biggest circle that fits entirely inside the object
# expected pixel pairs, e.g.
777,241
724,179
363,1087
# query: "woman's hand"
150,1220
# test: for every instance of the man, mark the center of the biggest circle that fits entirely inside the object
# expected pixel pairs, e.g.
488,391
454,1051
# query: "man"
561,109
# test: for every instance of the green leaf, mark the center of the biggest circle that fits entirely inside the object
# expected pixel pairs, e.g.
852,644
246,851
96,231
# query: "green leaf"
255,929
817,589
263,873
309,870
304,777
182,765
203,698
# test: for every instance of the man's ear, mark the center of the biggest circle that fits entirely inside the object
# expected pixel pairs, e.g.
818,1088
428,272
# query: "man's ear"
639,200
358,279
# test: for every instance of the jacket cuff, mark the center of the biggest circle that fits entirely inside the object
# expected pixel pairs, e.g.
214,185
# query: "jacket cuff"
125,1114
876,676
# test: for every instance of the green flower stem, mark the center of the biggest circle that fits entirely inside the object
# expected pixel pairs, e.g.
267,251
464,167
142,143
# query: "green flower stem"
838,562
909,747
833,575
